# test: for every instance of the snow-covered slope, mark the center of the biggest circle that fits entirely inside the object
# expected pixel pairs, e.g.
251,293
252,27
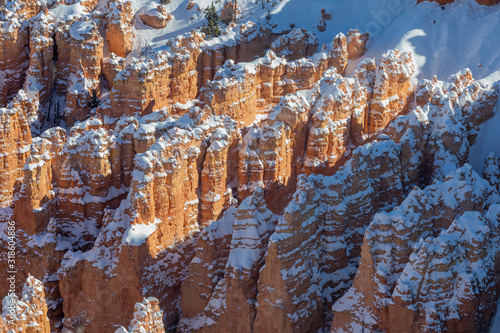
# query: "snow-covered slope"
444,39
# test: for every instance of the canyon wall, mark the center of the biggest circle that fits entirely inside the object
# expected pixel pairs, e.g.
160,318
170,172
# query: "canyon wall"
252,183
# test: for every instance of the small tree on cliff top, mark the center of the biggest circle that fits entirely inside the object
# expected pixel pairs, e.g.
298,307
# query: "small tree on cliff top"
211,29
94,101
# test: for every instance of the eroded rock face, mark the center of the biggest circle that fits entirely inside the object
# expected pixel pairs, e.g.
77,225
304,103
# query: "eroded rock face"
220,289
80,48
242,186
28,312
119,28
230,11
308,264
15,140
156,18
14,49
297,44
147,318
430,257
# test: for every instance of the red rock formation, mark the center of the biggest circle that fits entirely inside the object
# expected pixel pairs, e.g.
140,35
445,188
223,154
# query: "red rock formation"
272,155
27,313
37,87
191,5
298,43
237,90
392,90
233,279
15,140
230,11
405,272
306,254
80,51
349,109
147,318
14,49
35,204
142,87
239,185
119,28
356,43
156,18
220,170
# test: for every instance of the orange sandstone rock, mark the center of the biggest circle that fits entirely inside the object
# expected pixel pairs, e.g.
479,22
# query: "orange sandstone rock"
119,27
147,318
156,18
27,313
80,52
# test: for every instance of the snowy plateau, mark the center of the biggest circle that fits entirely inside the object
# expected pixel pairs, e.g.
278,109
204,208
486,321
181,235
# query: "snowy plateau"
249,166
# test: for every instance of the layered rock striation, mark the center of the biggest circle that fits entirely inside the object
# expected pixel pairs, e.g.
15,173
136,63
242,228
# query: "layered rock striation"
252,182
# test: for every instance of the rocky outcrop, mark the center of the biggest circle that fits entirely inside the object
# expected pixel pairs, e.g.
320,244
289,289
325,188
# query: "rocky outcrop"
37,87
27,313
272,155
308,264
239,89
119,28
230,11
14,50
220,290
35,205
15,140
369,303
391,90
244,183
156,18
29,107
147,318
298,43
80,51
144,86
427,251
356,44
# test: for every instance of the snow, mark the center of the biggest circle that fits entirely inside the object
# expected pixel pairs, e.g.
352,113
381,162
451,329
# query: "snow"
443,42
487,141
65,12
136,234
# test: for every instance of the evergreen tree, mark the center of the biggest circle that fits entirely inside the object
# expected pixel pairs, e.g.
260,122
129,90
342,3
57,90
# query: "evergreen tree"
211,29
57,116
94,101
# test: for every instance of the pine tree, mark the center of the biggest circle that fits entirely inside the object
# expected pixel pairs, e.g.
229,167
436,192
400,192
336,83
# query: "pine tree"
213,28
94,101
57,116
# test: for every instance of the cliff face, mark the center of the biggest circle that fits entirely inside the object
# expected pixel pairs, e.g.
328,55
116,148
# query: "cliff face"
253,182
147,318
26,312
431,257
119,29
